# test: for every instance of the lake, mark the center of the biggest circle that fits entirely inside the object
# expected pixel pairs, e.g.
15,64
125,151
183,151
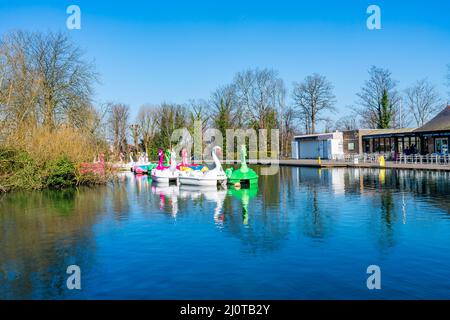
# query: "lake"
305,233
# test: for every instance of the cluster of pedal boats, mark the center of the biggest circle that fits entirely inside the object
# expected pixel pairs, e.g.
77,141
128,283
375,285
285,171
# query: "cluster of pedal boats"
169,171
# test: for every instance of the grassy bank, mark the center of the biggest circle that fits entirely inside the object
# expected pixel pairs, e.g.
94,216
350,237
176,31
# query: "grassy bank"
44,159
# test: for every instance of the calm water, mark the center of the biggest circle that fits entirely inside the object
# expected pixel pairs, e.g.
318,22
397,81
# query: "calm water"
302,234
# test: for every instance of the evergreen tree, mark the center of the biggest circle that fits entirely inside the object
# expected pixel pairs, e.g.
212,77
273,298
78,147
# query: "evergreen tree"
385,111
223,121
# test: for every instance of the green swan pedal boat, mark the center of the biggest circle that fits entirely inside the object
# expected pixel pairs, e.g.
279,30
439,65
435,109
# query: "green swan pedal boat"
244,176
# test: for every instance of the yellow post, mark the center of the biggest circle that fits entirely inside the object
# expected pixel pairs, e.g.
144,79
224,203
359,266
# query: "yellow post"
319,161
382,161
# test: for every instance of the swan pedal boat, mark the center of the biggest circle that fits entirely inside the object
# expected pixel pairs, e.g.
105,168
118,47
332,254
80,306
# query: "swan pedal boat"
163,174
211,177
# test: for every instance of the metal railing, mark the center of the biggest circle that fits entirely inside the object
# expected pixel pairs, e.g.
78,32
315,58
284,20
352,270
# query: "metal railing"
424,159
436,159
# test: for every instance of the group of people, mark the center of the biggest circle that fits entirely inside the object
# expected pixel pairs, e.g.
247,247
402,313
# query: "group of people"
412,149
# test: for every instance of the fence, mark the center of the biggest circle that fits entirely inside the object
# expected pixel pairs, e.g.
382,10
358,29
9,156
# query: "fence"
428,159
436,159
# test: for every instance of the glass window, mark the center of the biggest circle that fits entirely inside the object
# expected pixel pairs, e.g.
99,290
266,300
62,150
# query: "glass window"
351,146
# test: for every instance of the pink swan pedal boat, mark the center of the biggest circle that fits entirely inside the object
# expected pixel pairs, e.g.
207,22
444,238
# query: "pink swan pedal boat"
164,174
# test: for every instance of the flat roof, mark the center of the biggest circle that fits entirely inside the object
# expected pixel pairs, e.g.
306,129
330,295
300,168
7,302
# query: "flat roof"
315,135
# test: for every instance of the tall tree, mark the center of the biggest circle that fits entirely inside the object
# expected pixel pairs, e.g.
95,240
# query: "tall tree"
422,101
222,105
119,117
198,110
147,117
287,130
170,117
379,89
386,114
311,98
135,133
19,83
44,79
259,93
66,78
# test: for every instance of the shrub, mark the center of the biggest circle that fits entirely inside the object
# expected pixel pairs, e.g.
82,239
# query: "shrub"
61,174
18,170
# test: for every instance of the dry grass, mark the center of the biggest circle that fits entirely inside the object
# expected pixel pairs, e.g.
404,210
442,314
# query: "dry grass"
44,146
29,161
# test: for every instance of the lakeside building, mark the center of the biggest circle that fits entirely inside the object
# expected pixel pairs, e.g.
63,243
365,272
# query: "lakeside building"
324,145
431,138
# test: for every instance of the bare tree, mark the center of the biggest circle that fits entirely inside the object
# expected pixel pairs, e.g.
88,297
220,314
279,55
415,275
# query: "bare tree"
170,117
66,79
19,83
346,123
44,79
287,123
372,109
198,110
311,98
259,94
328,125
422,101
147,124
118,120
135,133
222,105
98,126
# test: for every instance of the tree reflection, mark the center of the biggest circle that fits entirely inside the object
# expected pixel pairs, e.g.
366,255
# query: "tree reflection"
41,234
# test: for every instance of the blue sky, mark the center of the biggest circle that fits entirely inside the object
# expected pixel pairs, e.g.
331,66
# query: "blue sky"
154,51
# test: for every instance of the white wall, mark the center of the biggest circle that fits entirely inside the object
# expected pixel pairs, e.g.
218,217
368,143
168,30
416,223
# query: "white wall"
294,149
311,149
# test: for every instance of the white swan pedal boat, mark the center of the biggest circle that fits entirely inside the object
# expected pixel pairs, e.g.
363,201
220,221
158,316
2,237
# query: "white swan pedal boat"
211,177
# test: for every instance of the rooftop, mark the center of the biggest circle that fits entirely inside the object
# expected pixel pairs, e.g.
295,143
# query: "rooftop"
317,135
385,132
439,123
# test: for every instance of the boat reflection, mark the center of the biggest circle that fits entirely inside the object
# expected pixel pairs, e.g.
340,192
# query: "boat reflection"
167,193
244,195
208,193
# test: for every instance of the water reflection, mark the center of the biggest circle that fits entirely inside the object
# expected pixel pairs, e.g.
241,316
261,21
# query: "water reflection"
41,234
300,209
168,197
206,193
244,195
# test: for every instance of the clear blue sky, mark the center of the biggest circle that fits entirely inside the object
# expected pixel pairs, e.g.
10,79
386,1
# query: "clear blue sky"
153,51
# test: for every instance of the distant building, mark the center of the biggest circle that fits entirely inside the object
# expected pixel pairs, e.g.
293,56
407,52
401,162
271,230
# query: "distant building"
323,145
435,134
433,137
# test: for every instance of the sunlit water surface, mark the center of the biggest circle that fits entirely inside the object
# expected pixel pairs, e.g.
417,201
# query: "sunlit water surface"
303,234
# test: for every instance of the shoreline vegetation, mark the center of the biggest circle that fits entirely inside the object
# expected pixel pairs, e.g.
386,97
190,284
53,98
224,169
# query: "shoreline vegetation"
53,135
49,127
45,159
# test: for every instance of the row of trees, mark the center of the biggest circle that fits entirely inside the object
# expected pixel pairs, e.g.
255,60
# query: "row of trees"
255,99
46,83
258,99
